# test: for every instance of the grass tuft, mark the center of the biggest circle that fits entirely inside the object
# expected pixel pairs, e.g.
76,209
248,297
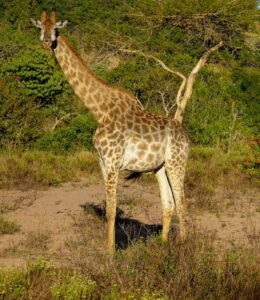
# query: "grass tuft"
8,227
37,240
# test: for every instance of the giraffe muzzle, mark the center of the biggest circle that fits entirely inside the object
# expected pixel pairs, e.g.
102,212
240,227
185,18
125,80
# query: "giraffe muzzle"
46,44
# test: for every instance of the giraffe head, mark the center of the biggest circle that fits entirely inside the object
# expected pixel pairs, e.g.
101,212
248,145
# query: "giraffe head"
48,26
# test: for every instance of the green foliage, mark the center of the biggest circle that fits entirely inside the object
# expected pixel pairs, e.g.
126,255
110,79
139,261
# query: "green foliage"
12,284
37,267
209,115
37,73
247,83
29,169
178,32
74,287
33,167
21,118
132,74
78,133
210,167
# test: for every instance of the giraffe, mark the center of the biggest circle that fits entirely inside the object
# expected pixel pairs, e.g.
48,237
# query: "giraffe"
127,137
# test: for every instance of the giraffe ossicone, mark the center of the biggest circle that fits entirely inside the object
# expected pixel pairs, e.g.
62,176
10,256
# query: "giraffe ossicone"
128,137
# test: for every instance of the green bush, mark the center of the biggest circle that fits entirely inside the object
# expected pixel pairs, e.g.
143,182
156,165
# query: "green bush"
21,118
13,284
246,81
78,134
37,73
74,287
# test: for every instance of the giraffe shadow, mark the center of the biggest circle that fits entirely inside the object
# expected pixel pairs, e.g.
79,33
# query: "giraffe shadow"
127,230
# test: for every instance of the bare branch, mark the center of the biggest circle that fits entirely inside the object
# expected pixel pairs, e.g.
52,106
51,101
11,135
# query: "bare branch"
161,63
58,121
180,92
138,100
165,106
190,82
186,85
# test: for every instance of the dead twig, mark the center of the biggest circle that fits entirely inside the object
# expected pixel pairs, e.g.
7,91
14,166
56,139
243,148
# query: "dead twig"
190,82
186,87
58,121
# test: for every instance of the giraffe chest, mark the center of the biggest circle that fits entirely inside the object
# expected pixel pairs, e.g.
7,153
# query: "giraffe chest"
144,153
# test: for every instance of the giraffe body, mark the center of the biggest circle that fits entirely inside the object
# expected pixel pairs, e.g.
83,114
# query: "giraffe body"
128,137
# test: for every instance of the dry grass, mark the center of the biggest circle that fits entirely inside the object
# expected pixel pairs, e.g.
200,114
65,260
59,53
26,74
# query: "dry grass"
8,227
31,169
86,246
10,200
207,168
9,205
211,168
37,240
151,270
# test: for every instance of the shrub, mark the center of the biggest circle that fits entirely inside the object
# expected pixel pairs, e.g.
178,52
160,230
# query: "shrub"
37,73
73,287
78,134
13,284
21,118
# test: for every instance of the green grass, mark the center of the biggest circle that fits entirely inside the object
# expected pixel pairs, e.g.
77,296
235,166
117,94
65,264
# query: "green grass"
8,227
209,168
30,169
193,269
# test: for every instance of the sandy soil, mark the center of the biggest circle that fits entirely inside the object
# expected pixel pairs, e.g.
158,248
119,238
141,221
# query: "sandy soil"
58,223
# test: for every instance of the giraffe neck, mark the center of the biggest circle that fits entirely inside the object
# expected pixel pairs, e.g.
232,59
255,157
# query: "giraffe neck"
100,98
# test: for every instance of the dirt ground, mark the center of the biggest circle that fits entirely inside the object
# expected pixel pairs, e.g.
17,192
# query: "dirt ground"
65,223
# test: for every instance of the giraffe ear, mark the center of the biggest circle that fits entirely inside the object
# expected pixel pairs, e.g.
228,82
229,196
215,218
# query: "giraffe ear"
61,24
36,23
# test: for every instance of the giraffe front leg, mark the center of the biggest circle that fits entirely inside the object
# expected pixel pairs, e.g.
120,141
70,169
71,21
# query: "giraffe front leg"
111,185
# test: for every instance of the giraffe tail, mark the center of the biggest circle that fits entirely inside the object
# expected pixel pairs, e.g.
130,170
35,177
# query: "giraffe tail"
134,176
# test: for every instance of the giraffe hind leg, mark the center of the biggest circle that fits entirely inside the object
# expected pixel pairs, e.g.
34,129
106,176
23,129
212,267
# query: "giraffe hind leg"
175,164
167,201
176,179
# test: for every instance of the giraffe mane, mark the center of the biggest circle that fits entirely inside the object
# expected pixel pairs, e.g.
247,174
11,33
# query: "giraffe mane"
62,37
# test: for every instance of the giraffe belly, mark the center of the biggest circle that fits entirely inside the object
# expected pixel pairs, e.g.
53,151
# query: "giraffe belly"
142,160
